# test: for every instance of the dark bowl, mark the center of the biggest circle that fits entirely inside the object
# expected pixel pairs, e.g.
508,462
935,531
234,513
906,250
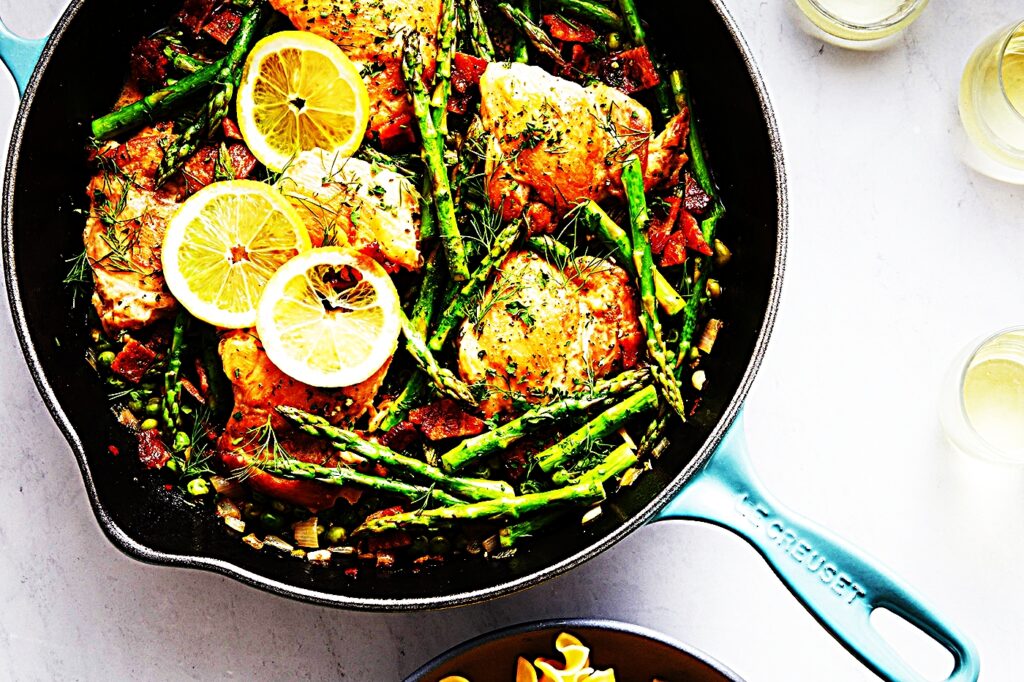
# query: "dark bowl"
79,76
634,653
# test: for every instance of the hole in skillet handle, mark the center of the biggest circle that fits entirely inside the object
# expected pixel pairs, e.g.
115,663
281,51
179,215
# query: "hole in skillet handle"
20,55
920,651
839,585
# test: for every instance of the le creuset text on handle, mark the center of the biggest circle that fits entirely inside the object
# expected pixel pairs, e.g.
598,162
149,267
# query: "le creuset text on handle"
838,584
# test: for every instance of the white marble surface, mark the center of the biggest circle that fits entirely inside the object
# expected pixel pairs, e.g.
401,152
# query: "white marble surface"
898,256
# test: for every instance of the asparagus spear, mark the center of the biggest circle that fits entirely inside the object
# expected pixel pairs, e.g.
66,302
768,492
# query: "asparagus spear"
631,19
293,468
481,38
443,71
154,105
509,507
592,12
216,107
617,461
433,157
184,62
708,224
457,309
553,250
609,421
601,224
664,374
170,408
532,32
521,53
471,488
510,535
473,449
444,379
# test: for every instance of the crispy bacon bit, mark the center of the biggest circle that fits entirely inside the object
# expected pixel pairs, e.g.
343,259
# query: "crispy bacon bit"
223,26
200,169
445,419
204,380
674,252
192,391
133,361
695,199
662,224
386,541
230,129
694,237
390,511
385,560
152,451
195,13
352,572
112,449
428,559
397,134
148,62
400,437
571,32
466,72
629,71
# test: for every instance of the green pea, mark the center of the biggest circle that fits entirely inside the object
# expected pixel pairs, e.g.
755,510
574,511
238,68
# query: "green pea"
197,487
106,358
419,545
278,505
271,520
172,465
148,424
152,409
440,545
336,535
181,440
135,406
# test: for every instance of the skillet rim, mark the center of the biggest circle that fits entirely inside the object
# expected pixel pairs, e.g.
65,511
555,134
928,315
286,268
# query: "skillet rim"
138,551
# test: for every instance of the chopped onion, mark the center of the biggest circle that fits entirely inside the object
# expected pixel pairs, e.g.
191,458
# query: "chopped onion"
226,508
319,556
234,524
226,486
592,515
707,339
253,541
698,379
305,533
722,253
629,478
277,543
492,543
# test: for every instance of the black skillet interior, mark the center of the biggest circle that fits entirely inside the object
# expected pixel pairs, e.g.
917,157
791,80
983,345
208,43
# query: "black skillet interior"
46,181
635,654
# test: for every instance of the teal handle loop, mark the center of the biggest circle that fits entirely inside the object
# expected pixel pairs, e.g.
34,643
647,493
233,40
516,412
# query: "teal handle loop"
20,55
838,584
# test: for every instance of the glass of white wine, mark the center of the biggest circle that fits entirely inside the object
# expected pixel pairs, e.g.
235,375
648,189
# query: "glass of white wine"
992,105
983,398
858,24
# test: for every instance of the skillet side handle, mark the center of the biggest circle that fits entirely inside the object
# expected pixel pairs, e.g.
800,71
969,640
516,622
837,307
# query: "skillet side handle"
20,55
838,584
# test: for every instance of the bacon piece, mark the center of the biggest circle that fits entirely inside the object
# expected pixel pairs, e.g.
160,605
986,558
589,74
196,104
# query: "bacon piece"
223,26
148,63
152,451
191,389
629,71
194,14
675,250
133,361
400,437
574,32
397,134
386,541
694,237
466,72
445,419
695,199
200,169
660,227
230,129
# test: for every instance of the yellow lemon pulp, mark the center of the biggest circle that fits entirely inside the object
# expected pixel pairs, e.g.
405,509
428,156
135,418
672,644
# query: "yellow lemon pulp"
299,92
330,317
222,246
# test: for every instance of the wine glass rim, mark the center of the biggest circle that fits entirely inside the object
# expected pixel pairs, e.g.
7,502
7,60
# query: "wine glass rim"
993,452
1012,32
910,9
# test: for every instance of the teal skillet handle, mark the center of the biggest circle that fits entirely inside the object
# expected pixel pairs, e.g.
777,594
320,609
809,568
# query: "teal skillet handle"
838,584
20,55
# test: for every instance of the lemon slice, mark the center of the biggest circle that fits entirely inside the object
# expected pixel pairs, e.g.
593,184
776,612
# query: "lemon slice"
299,91
329,317
222,246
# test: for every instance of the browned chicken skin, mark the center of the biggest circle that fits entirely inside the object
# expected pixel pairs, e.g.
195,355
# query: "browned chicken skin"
370,32
554,143
125,230
546,332
259,387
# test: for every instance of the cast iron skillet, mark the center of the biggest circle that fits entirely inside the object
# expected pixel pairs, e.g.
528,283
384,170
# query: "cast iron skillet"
636,654
80,73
